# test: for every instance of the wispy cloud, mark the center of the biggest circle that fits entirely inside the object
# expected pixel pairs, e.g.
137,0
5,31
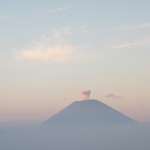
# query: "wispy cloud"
57,47
58,10
133,27
125,44
135,43
54,11
83,29
111,95
56,54
53,48
2,17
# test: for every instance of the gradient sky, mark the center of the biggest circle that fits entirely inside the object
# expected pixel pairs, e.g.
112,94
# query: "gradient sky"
50,51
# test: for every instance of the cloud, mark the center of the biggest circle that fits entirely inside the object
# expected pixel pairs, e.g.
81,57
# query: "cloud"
133,27
124,45
2,17
58,10
56,54
53,11
57,47
113,96
54,48
135,43
83,29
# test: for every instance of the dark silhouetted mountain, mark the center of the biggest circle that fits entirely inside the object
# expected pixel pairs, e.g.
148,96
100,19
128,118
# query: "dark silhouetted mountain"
87,113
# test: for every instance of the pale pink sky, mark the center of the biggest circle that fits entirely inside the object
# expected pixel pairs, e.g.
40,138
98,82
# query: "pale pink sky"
50,52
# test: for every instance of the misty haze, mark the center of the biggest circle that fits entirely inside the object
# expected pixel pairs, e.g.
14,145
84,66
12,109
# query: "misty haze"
83,125
110,137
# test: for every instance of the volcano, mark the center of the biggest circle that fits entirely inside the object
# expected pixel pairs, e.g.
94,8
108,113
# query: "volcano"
88,113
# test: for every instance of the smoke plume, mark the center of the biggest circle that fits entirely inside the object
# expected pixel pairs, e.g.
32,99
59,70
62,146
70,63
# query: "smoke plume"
86,94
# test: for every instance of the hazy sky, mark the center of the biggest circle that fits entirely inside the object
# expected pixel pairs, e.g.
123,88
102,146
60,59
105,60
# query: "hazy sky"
52,50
